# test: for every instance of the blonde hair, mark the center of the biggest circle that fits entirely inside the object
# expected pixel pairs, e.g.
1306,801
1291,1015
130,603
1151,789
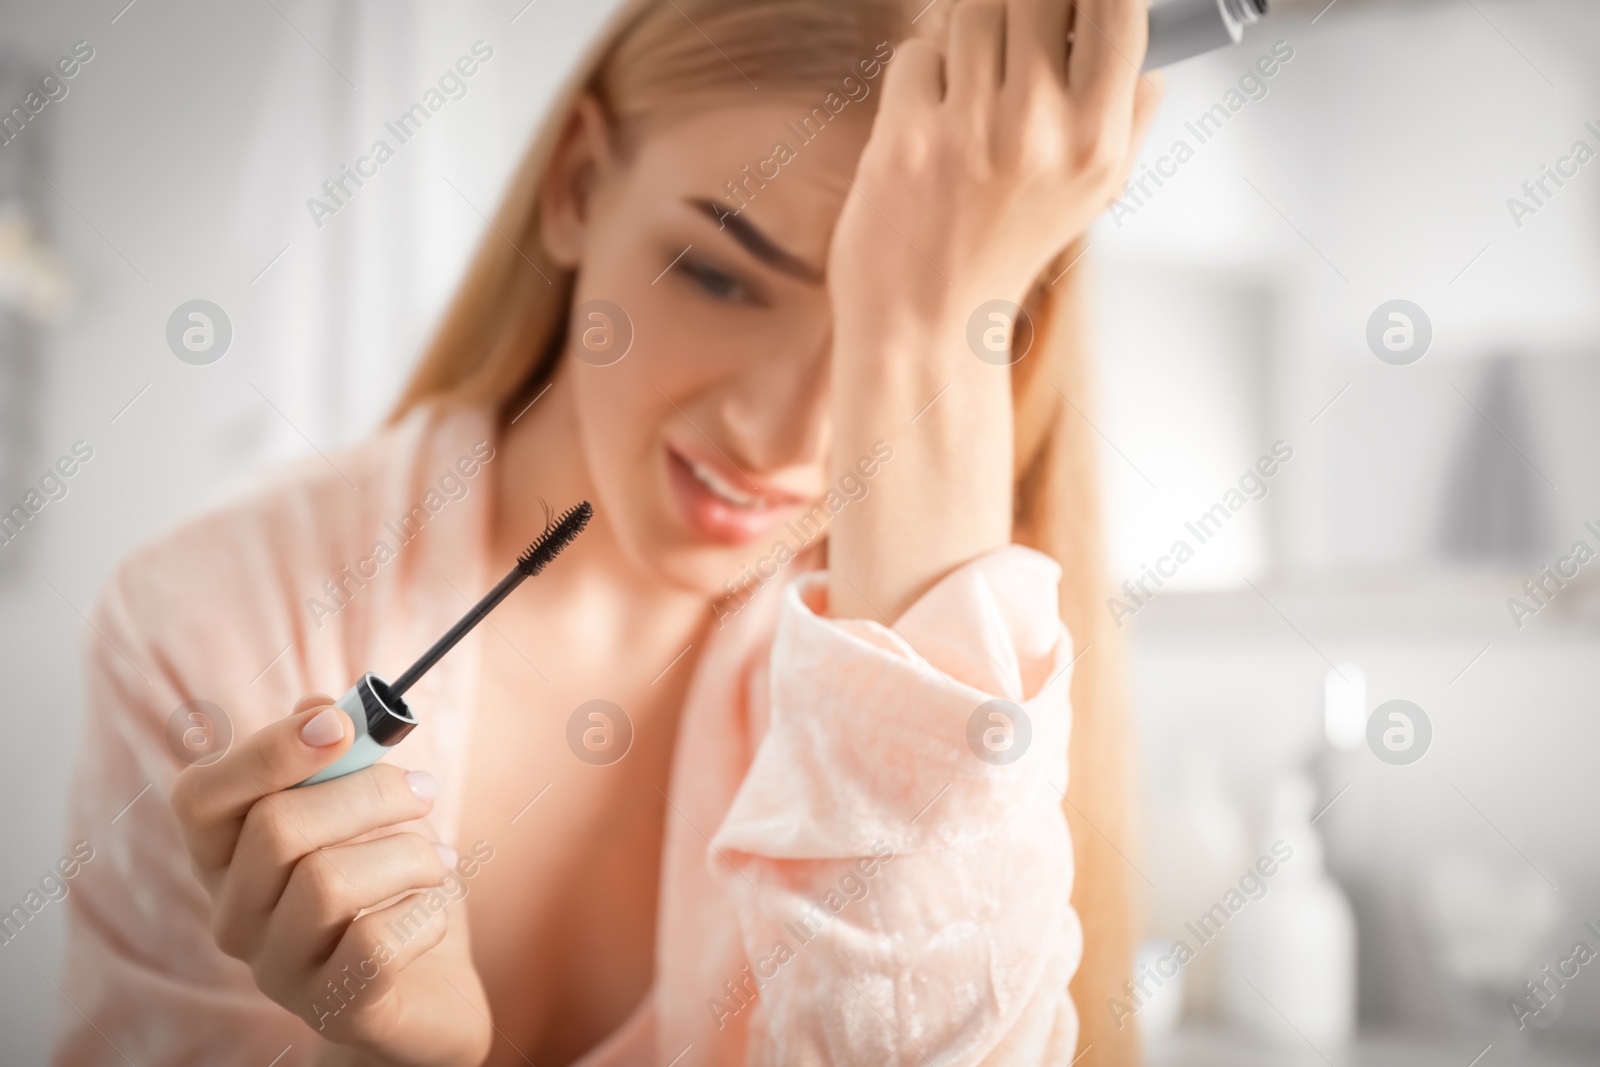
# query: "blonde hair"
506,329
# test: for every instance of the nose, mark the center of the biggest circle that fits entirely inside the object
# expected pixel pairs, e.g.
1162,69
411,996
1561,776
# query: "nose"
777,412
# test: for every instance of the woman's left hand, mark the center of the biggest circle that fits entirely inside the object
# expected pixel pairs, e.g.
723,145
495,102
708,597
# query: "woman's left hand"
991,152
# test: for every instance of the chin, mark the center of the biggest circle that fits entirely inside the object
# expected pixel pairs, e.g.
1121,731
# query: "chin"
708,575
698,569
666,547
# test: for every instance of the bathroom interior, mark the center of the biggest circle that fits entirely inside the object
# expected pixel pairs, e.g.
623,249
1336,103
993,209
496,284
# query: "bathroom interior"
1376,664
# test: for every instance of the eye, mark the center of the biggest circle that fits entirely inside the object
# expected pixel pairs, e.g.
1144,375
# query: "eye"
717,284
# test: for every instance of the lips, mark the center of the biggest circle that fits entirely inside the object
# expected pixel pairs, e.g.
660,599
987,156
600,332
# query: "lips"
721,504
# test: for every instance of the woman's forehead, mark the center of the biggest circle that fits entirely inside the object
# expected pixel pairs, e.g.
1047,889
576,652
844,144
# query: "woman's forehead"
773,164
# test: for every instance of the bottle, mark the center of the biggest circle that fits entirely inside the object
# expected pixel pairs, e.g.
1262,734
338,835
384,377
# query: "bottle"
1198,845
1292,954
1181,29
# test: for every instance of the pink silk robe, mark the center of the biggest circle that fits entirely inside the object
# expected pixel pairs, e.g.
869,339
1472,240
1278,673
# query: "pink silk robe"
871,892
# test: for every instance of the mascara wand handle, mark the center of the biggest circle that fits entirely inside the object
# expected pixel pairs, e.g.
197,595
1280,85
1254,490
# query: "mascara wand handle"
381,720
490,601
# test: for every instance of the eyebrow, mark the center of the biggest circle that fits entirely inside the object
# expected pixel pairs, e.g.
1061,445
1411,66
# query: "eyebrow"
757,243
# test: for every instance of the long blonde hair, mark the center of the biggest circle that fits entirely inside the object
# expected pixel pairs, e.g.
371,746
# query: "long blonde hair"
506,329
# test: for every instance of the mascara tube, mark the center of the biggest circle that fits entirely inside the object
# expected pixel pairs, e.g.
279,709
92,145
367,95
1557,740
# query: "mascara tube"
1182,29
381,719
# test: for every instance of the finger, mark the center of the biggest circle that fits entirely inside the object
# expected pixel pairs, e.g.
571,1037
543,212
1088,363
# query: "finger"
976,53
1036,38
332,886
211,800
1107,51
916,76
285,827
378,947
312,700
1146,100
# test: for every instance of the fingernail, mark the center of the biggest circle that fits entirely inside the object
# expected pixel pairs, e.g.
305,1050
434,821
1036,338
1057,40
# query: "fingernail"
447,855
423,785
324,729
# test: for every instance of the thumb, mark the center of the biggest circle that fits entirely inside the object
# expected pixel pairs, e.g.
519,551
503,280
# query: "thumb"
212,800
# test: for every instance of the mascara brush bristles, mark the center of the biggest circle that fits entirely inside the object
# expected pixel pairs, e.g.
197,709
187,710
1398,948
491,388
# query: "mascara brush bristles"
557,536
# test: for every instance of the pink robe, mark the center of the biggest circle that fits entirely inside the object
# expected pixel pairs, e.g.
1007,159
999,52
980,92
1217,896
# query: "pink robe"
872,891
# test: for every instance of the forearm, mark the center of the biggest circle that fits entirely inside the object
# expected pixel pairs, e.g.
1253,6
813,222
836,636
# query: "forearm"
910,382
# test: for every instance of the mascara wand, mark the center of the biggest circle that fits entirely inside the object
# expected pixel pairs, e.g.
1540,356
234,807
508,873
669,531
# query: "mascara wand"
377,709
557,535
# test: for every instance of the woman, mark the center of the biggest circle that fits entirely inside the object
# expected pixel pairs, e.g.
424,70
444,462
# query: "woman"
744,288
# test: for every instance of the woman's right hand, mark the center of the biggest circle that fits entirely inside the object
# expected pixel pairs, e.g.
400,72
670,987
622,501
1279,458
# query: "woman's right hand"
293,872
993,150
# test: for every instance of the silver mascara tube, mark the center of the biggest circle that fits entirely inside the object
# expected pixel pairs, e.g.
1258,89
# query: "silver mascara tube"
1182,29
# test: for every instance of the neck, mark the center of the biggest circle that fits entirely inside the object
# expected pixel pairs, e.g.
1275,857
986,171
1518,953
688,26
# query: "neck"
603,593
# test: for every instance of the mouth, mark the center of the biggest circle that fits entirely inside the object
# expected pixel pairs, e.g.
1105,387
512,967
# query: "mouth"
720,504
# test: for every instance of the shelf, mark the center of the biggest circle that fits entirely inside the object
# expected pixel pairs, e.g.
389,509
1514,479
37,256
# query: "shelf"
1197,1047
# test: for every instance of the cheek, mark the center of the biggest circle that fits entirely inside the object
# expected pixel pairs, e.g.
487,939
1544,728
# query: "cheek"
619,417
633,352
640,349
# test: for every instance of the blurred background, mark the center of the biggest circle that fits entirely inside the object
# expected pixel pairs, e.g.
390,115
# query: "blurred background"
1357,273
